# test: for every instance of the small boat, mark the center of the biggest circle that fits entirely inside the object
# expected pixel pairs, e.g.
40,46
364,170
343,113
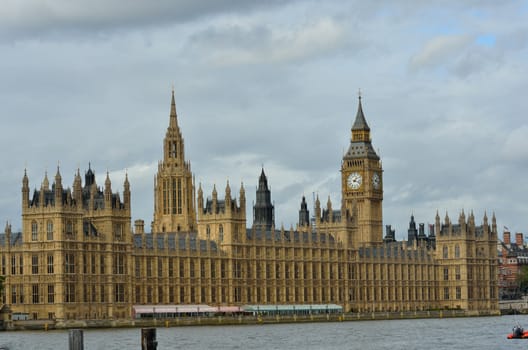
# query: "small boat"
518,333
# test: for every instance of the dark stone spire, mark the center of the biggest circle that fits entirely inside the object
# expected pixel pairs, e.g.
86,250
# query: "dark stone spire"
304,214
89,177
360,123
412,232
360,144
263,210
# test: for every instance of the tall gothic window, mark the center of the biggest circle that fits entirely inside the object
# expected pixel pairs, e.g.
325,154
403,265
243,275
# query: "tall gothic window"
173,150
34,264
49,230
35,293
174,196
51,294
69,228
34,231
50,264
179,196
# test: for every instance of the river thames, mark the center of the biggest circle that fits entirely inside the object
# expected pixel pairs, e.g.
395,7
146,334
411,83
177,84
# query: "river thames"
447,333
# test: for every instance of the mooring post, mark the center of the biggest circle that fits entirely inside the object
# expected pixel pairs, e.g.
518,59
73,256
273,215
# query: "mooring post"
76,339
148,339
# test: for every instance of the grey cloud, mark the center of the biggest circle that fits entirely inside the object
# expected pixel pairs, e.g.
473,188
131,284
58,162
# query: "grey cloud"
271,44
439,51
66,17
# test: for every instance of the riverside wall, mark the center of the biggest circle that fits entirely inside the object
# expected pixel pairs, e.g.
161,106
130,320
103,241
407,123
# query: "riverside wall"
239,320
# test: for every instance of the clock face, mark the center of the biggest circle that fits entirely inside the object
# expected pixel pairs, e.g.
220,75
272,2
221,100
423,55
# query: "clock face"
354,181
376,181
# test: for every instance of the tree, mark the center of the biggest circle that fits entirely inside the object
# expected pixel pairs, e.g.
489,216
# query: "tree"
522,279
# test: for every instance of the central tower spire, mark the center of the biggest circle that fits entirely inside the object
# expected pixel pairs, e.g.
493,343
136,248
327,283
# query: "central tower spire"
173,123
174,208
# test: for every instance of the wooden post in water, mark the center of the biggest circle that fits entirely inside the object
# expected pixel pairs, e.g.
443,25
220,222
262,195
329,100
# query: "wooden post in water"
148,339
75,338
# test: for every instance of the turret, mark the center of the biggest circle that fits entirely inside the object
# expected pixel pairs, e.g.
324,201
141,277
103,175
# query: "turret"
493,225
412,232
8,234
45,182
44,187
89,177
437,224
304,214
108,192
228,197
471,221
126,193
263,210
317,209
421,232
58,188
215,199
25,191
200,198
462,222
242,197
329,210
77,188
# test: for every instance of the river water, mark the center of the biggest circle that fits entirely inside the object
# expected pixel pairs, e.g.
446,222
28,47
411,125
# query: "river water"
448,333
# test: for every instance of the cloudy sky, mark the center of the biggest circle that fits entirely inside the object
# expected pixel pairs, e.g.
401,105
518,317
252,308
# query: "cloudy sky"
273,84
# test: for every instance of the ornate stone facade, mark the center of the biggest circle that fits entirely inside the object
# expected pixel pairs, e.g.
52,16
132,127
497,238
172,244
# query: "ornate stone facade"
77,256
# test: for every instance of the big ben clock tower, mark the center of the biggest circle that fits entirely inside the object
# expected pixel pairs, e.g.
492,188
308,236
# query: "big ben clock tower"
361,182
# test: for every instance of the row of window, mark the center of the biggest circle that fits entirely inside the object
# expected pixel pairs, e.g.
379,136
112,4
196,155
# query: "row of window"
17,264
69,230
204,295
41,294
208,269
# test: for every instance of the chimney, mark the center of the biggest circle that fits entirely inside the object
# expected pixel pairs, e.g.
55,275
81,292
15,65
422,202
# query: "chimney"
519,239
506,237
139,226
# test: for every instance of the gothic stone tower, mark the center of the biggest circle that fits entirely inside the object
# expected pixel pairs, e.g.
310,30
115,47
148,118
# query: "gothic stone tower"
263,210
76,249
222,220
174,200
361,182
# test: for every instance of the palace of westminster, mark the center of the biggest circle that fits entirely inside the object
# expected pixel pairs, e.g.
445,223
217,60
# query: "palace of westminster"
79,256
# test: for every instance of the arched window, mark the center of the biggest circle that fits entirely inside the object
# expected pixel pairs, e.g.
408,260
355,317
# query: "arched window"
221,233
49,230
34,231
69,228
208,231
457,251
445,252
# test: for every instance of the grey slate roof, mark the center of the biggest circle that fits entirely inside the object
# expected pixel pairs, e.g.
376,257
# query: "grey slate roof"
277,236
360,123
361,149
175,240
16,239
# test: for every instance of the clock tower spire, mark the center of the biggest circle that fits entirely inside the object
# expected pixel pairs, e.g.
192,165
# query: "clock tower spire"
361,182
